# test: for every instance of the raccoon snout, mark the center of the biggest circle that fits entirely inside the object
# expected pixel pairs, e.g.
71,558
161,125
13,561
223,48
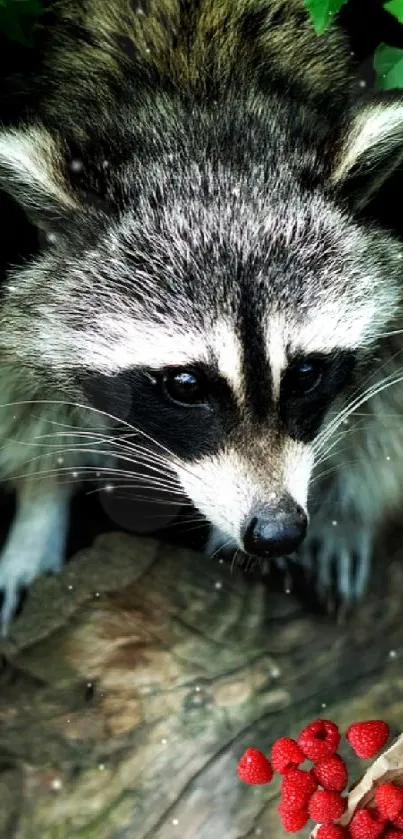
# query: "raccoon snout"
275,532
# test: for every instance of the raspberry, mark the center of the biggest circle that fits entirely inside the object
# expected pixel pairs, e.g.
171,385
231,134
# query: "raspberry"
367,738
331,831
292,820
296,789
366,824
286,754
331,773
393,833
319,739
254,768
397,821
326,806
389,800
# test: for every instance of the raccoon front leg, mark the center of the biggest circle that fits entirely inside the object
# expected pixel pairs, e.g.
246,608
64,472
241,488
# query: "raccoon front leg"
36,543
337,552
345,511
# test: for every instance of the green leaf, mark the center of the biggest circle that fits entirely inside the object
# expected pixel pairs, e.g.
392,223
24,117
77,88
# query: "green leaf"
322,12
17,19
388,65
395,7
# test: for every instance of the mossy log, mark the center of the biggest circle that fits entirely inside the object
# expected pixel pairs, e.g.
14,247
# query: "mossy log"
132,683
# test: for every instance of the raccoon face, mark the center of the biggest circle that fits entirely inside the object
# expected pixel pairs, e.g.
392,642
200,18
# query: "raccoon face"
217,312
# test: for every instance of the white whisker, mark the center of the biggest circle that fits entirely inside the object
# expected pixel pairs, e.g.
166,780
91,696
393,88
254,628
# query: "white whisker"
370,393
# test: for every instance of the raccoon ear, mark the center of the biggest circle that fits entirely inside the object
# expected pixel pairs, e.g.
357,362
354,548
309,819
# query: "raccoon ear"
371,148
33,172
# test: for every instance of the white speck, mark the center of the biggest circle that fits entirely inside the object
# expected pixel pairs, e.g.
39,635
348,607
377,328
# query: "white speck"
97,594
273,496
140,11
197,688
275,672
76,165
148,49
392,654
70,587
221,561
164,741
101,767
218,585
323,705
335,523
287,590
74,474
60,460
108,488
90,684
388,457
14,416
362,83
345,422
105,164
352,54
175,822
68,721
97,474
56,784
12,288
51,237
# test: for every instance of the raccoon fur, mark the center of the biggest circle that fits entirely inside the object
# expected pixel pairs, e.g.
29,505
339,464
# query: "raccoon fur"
209,301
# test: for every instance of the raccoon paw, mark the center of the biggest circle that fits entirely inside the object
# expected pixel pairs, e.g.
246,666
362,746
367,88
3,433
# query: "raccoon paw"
28,553
16,574
338,556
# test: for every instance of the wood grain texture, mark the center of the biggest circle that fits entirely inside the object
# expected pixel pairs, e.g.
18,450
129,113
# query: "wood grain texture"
132,683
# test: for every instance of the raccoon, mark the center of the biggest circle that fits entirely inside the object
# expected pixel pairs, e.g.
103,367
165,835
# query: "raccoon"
209,300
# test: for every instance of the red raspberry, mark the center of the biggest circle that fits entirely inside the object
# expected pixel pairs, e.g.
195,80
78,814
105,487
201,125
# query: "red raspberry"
393,833
389,800
397,821
296,789
366,824
367,738
331,773
286,754
319,739
292,820
331,831
326,806
254,768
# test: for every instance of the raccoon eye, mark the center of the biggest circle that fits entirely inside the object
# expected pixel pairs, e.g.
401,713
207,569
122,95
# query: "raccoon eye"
305,376
186,387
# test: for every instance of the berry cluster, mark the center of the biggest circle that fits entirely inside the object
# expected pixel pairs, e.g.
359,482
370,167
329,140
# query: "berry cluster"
317,793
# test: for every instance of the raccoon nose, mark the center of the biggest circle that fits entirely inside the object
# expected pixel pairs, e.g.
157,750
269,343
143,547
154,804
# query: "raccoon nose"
274,533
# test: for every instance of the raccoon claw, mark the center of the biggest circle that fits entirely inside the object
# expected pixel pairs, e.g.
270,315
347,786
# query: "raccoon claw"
11,598
14,580
339,559
17,572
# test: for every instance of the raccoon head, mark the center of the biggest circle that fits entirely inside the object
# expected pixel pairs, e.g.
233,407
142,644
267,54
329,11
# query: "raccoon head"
215,296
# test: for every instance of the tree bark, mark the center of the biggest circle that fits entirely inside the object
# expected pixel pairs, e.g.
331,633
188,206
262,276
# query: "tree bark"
132,683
